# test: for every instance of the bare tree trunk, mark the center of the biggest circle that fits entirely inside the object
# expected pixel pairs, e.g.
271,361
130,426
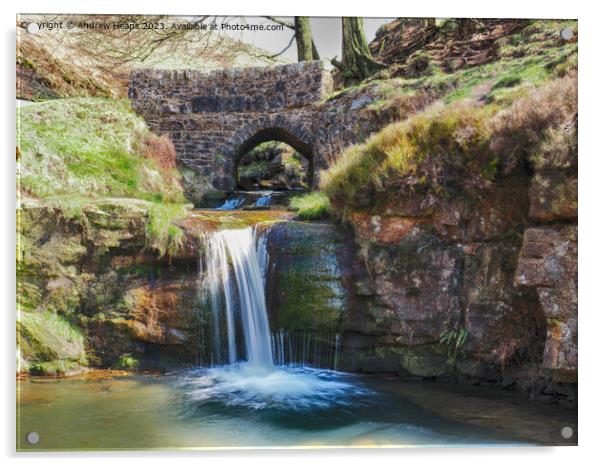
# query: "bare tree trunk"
303,37
466,27
357,63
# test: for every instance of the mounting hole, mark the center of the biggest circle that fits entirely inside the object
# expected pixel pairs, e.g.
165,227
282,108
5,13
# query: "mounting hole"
32,438
566,33
32,28
566,432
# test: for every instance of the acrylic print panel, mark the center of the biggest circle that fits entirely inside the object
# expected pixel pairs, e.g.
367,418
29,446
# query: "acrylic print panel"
295,232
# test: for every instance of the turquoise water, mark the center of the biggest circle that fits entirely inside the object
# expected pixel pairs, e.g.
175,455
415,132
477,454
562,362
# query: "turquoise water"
236,406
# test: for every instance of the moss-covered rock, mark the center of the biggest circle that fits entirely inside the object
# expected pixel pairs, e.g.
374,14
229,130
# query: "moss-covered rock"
305,277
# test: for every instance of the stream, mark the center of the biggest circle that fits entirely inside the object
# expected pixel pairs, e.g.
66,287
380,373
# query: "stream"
258,393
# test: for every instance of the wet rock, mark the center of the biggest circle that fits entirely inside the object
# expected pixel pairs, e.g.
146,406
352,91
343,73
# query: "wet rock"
306,286
166,311
92,268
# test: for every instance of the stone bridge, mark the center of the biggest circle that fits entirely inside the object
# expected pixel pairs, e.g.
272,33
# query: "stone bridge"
215,118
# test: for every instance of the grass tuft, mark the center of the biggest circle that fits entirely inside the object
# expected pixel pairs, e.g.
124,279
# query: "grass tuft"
46,337
127,362
311,206
460,147
162,234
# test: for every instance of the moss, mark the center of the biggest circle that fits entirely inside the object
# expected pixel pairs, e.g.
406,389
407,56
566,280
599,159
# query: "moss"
212,220
53,368
312,206
305,282
309,300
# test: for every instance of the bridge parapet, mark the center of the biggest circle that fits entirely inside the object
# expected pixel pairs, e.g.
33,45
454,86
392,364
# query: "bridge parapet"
237,90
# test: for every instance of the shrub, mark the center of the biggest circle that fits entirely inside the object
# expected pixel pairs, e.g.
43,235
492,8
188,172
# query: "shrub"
158,148
520,128
312,206
127,362
52,368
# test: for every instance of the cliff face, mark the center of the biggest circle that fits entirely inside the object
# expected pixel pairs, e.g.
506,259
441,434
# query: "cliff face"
468,272
92,274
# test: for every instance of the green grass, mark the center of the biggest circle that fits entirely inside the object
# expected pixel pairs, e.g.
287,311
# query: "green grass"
52,368
312,206
454,133
259,170
527,60
451,150
89,147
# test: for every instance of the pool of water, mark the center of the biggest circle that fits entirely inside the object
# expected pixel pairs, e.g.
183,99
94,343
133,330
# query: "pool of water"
240,406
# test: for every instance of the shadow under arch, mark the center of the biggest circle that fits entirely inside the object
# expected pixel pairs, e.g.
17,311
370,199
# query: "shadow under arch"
281,135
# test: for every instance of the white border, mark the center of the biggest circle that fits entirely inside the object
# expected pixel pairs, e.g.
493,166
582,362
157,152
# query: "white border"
590,167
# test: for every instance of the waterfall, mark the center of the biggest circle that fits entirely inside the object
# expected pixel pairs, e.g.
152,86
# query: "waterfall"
234,279
263,201
306,348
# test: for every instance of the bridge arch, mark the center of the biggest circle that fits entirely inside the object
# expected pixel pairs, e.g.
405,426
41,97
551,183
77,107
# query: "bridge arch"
214,118
280,134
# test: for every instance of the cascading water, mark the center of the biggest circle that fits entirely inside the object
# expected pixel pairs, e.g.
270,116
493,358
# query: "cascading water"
237,250
234,268
231,204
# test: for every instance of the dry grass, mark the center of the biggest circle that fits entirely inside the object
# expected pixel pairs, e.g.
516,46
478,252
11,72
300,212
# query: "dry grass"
530,120
461,147
434,147
160,149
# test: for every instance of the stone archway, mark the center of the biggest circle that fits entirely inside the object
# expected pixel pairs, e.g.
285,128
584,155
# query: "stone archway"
281,135
212,118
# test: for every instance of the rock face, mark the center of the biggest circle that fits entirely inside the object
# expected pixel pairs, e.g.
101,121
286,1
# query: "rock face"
500,268
92,277
548,263
215,118
416,283
548,259
307,288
